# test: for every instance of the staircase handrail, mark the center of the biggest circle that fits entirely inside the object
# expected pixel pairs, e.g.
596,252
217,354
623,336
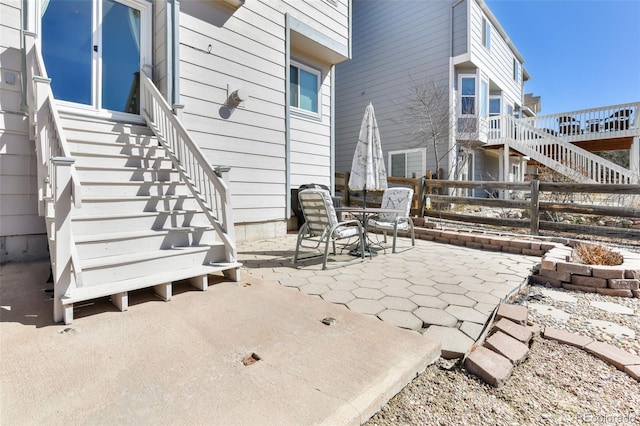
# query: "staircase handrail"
205,183
41,104
59,188
585,164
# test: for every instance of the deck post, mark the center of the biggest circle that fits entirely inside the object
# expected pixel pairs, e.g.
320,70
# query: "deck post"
634,156
61,234
535,205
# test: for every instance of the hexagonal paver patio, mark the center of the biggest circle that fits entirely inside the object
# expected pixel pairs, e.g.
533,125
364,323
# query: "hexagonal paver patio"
433,285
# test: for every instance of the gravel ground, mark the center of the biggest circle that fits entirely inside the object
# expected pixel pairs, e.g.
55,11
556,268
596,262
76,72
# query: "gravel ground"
557,385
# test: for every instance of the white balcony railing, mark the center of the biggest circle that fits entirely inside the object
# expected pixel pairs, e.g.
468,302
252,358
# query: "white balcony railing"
553,151
595,123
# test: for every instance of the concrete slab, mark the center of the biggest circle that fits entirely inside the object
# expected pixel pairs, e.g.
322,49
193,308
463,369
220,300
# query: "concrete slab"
550,310
181,362
614,308
612,328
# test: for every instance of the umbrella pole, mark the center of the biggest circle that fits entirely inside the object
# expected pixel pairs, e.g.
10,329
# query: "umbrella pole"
364,202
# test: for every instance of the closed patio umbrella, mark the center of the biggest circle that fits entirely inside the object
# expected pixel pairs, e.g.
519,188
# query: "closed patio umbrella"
367,169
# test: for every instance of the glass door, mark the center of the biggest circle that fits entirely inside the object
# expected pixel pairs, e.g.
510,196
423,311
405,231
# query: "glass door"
93,51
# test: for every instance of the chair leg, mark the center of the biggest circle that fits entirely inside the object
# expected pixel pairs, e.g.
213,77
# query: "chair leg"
395,237
326,251
413,236
299,240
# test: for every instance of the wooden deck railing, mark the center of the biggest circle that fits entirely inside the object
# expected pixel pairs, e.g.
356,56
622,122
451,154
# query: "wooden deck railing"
206,183
57,179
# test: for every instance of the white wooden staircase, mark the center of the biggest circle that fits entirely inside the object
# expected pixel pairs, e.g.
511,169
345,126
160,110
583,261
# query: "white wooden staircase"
555,148
122,210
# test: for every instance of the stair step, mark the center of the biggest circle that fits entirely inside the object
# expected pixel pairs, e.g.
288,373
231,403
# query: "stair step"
141,203
133,188
97,271
124,174
121,160
139,221
94,292
120,243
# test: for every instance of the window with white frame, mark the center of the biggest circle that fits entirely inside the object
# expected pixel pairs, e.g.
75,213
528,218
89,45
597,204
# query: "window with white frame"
484,98
304,88
495,106
516,70
486,34
468,95
405,163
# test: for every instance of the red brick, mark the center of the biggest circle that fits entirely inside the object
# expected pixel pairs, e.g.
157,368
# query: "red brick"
517,331
510,348
520,244
624,284
473,245
614,292
612,354
549,263
562,336
489,366
512,250
465,237
632,274
426,237
557,275
604,272
442,240
574,268
535,329
588,281
490,247
539,279
548,246
578,288
537,246
533,252
636,293
516,313
482,239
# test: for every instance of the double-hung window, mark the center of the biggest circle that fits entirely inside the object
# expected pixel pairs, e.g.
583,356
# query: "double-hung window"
405,163
304,88
468,95
486,34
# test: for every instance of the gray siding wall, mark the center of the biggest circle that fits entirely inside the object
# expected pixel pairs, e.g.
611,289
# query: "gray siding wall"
459,33
18,208
395,45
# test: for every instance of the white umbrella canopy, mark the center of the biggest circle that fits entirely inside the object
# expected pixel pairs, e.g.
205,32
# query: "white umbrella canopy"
368,172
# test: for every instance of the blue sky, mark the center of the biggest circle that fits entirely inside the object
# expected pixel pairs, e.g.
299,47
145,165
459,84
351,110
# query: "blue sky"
580,54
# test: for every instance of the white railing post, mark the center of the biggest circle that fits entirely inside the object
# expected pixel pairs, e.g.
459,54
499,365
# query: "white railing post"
227,211
62,189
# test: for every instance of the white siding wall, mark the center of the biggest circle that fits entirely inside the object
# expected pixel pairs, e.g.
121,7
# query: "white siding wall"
496,63
222,48
394,45
18,206
160,46
310,152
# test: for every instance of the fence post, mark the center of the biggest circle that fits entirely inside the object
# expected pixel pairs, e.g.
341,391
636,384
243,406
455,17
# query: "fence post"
535,205
62,236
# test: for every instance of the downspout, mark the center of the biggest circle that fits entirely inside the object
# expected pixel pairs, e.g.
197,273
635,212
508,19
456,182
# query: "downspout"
332,142
287,119
173,55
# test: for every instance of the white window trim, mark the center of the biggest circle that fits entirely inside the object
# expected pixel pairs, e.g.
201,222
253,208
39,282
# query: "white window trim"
486,34
475,96
423,159
516,70
300,111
